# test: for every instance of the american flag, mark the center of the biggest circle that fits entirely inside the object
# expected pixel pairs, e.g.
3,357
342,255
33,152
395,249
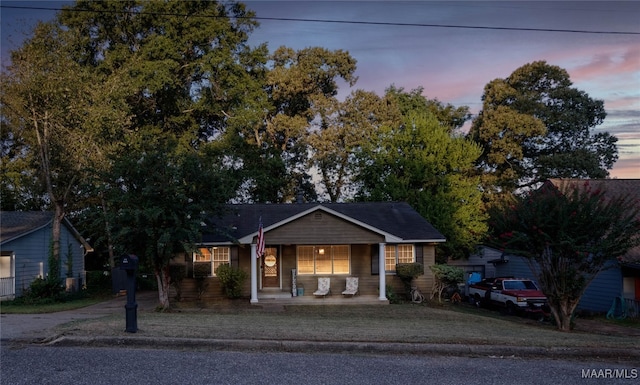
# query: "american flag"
260,245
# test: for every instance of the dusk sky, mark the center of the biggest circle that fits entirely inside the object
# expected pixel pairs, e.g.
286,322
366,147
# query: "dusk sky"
453,63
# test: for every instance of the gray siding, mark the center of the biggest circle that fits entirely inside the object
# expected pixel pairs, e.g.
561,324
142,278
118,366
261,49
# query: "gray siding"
601,292
30,256
479,262
516,267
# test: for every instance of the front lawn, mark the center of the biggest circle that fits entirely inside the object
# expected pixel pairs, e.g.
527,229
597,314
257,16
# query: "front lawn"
19,306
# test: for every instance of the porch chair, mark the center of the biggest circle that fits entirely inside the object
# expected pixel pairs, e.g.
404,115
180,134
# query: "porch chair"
352,286
324,287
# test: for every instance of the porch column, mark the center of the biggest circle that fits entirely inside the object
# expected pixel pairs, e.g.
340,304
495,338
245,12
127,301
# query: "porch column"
254,274
381,273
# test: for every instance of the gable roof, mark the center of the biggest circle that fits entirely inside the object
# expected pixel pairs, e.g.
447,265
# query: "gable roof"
17,224
396,221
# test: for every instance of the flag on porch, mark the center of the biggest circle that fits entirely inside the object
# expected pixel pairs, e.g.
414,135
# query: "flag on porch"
260,245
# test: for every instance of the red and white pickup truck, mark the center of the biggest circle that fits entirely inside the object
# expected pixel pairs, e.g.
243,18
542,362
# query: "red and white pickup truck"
513,294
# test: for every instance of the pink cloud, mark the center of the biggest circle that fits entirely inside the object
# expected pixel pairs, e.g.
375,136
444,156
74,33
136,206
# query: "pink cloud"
610,64
628,168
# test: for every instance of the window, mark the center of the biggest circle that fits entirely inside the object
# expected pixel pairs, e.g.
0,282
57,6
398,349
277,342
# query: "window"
323,259
394,254
215,255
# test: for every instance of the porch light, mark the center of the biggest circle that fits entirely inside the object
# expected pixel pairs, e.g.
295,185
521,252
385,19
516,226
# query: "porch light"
321,251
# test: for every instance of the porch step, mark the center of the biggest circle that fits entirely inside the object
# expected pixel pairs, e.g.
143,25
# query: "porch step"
273,294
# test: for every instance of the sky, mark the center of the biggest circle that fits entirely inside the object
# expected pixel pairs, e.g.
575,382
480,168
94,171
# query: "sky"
449,60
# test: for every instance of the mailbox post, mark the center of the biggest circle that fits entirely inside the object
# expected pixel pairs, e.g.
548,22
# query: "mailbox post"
129,262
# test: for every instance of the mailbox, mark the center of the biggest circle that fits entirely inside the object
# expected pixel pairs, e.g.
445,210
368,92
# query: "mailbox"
129,262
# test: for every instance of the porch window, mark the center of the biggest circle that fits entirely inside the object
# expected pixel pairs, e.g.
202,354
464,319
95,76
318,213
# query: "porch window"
215,255
394,254
324,259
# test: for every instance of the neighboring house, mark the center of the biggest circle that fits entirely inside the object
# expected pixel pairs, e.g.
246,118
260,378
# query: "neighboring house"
482,262
25,242
306,241
620,278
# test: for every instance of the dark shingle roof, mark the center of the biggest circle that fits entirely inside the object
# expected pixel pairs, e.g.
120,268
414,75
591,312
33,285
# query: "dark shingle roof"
396,218
14,224
612,187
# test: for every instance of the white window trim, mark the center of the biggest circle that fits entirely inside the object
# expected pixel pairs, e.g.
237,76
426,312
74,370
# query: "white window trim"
212,260
395,248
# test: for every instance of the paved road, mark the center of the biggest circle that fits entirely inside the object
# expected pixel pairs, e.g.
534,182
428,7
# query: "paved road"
80,365
38,326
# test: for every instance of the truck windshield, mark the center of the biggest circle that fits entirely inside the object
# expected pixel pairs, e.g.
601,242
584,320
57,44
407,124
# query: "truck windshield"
519,285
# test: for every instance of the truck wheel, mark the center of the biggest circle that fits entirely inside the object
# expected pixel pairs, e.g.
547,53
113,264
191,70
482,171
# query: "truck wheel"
511,309
477,300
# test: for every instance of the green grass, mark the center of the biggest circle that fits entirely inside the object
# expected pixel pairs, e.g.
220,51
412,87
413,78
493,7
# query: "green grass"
394,323
409,323
627,322
19,307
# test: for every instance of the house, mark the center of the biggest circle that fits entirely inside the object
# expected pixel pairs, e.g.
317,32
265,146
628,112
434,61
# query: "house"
25,241
620,278
483,263
306,241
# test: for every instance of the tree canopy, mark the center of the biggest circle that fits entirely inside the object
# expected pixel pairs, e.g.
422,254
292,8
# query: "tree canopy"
568,234
533,126
421,161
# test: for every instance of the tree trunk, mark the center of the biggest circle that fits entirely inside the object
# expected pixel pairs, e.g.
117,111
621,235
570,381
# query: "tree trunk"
562,311
56,224
162,278
107,227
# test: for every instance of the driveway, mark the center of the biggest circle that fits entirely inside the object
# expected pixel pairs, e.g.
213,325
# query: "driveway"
37,327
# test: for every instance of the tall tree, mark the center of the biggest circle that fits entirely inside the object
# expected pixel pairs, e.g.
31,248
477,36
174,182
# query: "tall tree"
52,114
343,128
299,84
533,126
160,196
568,236
191,79
422,163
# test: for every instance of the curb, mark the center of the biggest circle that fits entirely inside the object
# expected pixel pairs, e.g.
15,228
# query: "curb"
292,346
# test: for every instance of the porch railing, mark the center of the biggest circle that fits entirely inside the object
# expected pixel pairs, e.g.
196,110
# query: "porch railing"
7,287
633,307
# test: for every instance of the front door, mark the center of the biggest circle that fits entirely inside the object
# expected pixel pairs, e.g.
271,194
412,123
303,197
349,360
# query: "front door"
270,268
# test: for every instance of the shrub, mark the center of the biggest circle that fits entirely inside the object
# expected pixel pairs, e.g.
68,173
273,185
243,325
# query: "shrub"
98,281
446,276
391,295
146,281
43,290
407,272
231,280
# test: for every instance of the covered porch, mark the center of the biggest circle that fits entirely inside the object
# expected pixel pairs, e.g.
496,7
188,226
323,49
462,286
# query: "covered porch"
278,297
